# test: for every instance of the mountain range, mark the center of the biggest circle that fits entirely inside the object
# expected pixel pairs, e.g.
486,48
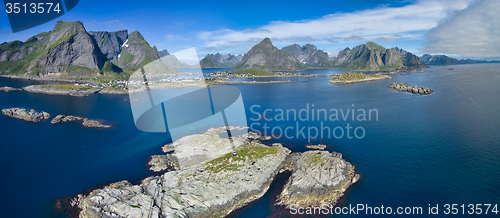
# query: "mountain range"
371,56
291,58
68,49
218,60
445,60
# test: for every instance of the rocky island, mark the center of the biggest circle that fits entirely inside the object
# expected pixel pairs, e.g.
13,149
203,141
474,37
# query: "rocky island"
319,177
404,87
85,121
211,182
8,89
62,89
352,77
26,115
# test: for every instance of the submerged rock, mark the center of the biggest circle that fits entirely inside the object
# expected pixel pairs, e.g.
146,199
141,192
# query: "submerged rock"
319,177
26,115
404,87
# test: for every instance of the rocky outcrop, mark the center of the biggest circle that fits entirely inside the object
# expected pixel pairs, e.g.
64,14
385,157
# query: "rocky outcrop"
110,43
216,186
161,163
218,60
213,188
26,115
318,146
371,56
318,177
8,89
309,55
85,121
267,57
404,87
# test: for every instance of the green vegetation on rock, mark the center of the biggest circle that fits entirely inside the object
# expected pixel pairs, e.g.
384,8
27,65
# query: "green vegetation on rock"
255,72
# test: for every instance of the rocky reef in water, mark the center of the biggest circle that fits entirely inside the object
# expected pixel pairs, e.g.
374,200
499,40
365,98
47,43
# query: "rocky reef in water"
26,115
318,177
85,121
318,146
211,182
404,87
8,89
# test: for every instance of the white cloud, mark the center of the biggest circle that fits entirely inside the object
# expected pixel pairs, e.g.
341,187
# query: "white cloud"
382,23
472,32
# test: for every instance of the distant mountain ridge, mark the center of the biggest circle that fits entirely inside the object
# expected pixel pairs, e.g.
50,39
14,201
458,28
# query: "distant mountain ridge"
267,57
219,61
371,56
68,49
445,60
309,56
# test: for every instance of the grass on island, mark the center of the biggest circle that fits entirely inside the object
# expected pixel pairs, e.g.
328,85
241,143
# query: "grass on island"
255,72
65,87
314,159
352,76
251,151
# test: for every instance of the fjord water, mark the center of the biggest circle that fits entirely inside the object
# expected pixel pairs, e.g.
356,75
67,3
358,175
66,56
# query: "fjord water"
442,148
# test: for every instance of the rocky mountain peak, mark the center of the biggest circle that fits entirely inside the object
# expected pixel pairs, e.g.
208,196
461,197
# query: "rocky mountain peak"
372,56
266,44
134,36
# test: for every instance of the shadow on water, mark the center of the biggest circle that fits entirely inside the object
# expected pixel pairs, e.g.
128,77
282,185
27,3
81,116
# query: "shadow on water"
264,207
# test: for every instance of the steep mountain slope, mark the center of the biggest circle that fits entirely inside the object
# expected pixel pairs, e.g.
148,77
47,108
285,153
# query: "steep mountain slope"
66,48
371,56
110,43
267,57
308,55
136,52
218,60
69,50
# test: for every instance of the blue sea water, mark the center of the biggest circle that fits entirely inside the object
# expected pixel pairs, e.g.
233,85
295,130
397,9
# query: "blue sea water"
442,148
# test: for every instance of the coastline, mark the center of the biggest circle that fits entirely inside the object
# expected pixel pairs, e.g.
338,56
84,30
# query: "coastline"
234,181
382,77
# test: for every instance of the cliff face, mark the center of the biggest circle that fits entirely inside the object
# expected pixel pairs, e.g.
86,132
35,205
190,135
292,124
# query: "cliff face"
70,50
136,52
371,56
218,60
267,57
110,43
308,55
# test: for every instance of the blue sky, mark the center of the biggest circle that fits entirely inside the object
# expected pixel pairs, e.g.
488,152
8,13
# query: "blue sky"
235,26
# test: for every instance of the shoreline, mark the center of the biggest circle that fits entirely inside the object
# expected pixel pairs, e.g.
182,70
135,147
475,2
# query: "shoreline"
223,176
360,81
